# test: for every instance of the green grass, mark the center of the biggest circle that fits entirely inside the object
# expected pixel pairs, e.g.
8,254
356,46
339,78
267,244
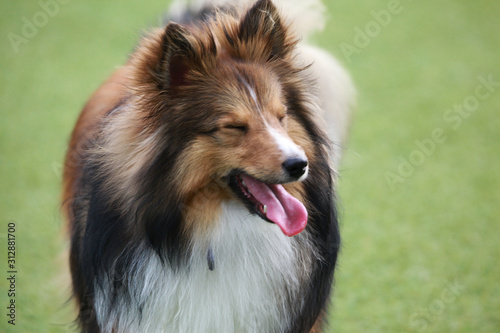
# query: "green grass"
402,244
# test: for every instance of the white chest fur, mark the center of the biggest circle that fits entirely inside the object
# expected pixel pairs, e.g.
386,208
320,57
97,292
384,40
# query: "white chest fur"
257,271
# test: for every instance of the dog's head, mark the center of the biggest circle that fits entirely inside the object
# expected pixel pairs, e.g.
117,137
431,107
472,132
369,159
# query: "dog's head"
232,109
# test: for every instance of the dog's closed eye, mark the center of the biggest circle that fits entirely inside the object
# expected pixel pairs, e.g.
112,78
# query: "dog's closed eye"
238,127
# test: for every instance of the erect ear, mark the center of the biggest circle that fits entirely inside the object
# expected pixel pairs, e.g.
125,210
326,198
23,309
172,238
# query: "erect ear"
263,26
182,52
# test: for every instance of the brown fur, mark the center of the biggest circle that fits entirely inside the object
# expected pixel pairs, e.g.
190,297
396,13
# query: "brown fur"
175,75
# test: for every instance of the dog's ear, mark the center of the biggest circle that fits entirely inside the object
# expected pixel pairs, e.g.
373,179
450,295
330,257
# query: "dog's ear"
263,29
182,52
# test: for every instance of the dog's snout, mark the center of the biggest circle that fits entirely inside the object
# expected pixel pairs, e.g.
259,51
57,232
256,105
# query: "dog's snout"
295,167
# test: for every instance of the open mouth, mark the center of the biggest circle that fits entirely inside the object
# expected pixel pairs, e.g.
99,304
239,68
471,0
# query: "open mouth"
271,202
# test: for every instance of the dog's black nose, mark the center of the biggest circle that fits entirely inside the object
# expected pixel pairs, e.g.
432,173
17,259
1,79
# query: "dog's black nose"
295,167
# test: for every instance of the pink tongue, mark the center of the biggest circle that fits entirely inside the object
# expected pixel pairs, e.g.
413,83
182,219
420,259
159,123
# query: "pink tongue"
282,208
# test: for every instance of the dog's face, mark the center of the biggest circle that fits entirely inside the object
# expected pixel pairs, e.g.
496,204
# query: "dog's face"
244,145
226,95
248,146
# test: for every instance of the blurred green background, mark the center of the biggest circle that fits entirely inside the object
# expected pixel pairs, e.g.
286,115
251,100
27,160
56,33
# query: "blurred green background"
421,241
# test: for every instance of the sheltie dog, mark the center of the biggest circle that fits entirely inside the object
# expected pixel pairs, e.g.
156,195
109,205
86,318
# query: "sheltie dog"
199,179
